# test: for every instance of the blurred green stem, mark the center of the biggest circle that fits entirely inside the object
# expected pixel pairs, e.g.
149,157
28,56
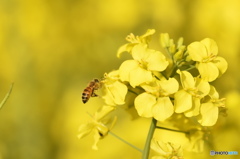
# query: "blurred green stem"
125,141
159,127
149,138
6,96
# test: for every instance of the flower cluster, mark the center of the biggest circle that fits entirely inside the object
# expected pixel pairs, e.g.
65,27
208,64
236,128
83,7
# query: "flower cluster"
165,85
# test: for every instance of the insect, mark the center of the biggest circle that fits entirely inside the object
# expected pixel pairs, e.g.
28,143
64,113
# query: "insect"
89,90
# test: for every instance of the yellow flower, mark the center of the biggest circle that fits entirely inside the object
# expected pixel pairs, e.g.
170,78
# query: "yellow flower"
166,150
98,125
210,66
134,40
210,109
187,100
114,90
139,70
156,101
196,140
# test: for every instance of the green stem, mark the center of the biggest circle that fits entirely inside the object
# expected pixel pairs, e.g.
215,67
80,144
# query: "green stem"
6,96
159,127
125,141
173,71
191,67
149,138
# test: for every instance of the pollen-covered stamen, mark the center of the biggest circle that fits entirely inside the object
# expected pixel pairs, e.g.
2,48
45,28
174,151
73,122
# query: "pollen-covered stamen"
143,64
209,58
195,92
219,102
132,39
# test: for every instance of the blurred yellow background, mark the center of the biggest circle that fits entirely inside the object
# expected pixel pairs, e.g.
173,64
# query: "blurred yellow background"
51,49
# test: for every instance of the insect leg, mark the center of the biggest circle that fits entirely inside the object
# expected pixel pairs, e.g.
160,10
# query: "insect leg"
94,95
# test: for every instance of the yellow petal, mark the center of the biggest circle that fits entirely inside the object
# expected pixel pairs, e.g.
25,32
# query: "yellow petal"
85,129
115,93
119,91
113,75
169,86
108,98
156,61
139,52
164,39
139,76
105,110
203,87
96,139
209,114
208,71
211,46
194,111
221,64
213,93
187,79
151,87
145,38
160,147
125,48
196,140
125,69
156,146
149,32
163,109
197,51
183,101
102,129
144,103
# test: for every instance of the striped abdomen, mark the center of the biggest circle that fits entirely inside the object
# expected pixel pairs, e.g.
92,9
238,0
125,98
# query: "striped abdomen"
87,93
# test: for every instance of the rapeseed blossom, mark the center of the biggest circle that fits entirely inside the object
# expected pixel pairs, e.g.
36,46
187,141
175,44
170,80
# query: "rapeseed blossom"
188,99
139,70
98,125
171,87
156,102
210,66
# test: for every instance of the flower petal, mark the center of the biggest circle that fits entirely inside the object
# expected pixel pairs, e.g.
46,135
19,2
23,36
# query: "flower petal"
125,69
115,93
213,93
203,87
187,79
146,37
221,64
208,71
139,76
183,101
159,146
197,51
209,114
211,46
139,52
144,103
105,110
165,40
194,111
163,109
85,129
156,61
96,139
169,86
126,47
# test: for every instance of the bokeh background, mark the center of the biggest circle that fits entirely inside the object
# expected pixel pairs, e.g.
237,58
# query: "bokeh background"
51,49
